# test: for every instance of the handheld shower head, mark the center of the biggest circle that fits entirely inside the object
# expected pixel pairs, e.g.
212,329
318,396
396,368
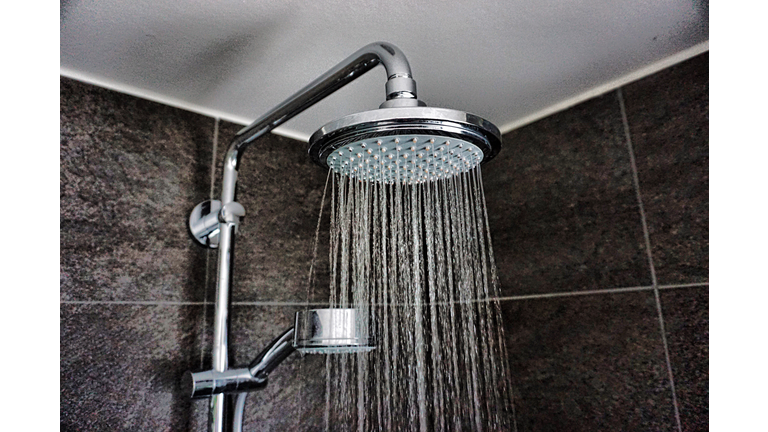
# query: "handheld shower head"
316,331
405,144
332,331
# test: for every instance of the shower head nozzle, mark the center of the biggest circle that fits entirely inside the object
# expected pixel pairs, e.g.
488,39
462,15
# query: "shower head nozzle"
332,331
405,144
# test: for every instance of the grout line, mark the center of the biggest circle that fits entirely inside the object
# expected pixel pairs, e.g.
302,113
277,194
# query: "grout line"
132,302
636,180
490,299
204,327
205,307
276,303
213,156
572,293
208,252
506,298
667,358
688,285
647,237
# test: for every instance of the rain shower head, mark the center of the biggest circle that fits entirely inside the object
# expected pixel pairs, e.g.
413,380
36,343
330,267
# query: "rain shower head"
405,144
332,331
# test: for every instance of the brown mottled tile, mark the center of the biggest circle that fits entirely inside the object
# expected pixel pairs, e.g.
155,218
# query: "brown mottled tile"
588,363
562,205
131,171
668,115
281,190
121,365
686,319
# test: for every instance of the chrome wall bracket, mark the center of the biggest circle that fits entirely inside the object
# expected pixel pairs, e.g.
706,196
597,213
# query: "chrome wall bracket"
205,219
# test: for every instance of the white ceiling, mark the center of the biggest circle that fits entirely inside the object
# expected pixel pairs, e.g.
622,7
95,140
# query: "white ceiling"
510,62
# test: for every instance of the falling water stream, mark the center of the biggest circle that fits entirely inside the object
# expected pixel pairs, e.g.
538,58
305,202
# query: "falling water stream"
417,259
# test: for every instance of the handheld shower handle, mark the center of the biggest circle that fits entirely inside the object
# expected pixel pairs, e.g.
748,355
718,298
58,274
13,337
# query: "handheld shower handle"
209,383
254,377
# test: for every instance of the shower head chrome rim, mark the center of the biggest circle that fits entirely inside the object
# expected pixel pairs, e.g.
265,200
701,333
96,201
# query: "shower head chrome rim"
411,144
332,331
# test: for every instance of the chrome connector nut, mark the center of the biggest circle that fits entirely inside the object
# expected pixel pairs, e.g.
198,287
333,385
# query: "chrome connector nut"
231,213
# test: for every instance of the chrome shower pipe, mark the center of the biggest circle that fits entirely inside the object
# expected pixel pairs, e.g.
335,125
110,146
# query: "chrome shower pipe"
400,90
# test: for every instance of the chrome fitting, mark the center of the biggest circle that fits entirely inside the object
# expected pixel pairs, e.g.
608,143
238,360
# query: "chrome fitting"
204,223
206,217
402,101
231,213
401,87
401,92
206,384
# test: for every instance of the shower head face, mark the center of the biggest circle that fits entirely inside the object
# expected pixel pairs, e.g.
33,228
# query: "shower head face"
405,145
332,331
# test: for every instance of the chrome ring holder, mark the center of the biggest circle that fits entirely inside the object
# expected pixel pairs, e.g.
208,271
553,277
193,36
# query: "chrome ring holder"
204,223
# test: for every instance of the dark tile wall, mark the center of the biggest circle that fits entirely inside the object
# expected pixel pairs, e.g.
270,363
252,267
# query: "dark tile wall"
562,204
668,117
582,322
686,315
589,363
120,365
130,169
134,285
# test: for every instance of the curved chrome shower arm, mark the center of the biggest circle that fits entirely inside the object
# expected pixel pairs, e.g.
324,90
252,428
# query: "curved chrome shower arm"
400,90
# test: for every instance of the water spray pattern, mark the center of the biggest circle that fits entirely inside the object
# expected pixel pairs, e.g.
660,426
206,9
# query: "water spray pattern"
412,158
417,257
